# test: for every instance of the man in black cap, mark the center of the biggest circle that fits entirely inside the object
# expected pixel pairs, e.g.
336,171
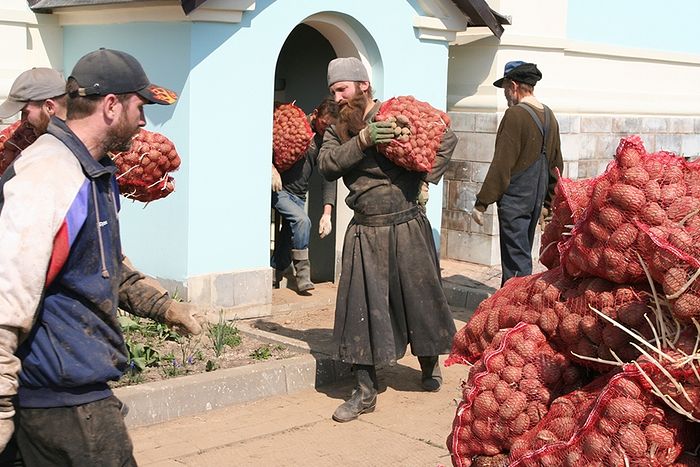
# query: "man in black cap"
63,273
390,294
523,173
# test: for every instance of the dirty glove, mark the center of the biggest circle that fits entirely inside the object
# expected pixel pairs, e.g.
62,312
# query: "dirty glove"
424,194
478,216
181,317
324,225
545,217
376,133
276,180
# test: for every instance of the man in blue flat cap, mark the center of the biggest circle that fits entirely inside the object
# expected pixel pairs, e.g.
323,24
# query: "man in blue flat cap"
523,174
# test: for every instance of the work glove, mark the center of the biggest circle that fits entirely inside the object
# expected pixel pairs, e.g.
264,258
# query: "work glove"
324,225
376,133
424,194
7,427
276,180
180,316
478,216
545,217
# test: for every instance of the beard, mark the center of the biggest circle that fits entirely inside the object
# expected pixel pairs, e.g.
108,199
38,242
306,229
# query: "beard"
351,117
39,126
119,137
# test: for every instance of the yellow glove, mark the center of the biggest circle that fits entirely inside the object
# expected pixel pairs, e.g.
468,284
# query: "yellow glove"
276,180
324,225
478,216
424,194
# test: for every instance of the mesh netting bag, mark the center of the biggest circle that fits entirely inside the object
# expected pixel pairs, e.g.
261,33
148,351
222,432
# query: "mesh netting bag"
508,391
644,206
570,200
291,135
419,128
143,171
13,140
613,422
564,309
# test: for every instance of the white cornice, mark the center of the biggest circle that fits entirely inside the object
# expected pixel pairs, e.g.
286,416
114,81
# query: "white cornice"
441,21
26,17
216,11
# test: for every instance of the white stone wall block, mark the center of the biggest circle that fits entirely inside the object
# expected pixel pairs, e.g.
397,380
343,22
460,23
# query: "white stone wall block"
571,146
479,146
462,121
626,124
654,125
690,145
681,125
568,123
670,142
596,124
486,123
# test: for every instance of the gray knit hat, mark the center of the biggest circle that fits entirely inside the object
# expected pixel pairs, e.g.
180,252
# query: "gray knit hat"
346,69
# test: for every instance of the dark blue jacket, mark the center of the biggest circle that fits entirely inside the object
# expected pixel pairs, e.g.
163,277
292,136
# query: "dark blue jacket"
75,345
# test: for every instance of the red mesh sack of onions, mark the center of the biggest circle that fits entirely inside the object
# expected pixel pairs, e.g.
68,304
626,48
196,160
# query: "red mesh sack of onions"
563,308
419,128
142,172
13,140
570,200
291,136
612,422
508,391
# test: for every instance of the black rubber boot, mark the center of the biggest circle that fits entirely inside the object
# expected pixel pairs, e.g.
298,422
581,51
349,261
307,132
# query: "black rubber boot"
303,270
364,397
431,377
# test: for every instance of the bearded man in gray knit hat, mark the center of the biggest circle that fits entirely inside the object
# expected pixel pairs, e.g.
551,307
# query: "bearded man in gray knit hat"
386,300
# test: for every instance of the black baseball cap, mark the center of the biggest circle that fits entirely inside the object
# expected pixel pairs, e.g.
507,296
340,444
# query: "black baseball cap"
107,71
520,72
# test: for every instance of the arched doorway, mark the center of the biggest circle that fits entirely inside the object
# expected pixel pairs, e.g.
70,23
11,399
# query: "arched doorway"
300,76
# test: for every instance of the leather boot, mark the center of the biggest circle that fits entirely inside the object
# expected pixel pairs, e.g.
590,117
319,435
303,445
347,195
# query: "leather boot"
364,397
303,270
431,377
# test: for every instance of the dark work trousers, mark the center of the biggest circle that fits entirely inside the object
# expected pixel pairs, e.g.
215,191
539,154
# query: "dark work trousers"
518,214
92,434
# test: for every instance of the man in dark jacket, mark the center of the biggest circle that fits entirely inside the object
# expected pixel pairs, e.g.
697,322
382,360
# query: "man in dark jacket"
390,294
523,172
64,274
289,191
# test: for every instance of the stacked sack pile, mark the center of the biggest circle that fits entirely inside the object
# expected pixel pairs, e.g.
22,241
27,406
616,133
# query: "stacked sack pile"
595,361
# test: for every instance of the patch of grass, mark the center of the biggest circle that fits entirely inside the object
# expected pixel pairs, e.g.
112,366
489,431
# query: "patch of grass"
265,351
223,334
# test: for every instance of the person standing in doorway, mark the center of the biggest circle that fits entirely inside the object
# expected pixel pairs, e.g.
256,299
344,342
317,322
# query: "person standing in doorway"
523,172
289,191
390,293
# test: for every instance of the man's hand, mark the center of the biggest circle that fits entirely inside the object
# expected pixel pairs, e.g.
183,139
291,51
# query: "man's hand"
376,133
424,194
7,427
276,180
181,317
545,217
478,216
324,225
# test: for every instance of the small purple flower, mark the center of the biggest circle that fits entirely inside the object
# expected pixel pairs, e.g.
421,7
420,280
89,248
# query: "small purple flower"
190,360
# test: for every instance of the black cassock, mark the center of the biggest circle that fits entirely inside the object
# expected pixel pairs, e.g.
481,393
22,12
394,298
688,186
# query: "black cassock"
390,292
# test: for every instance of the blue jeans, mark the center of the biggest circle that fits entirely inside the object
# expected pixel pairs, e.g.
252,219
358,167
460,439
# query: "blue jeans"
296,228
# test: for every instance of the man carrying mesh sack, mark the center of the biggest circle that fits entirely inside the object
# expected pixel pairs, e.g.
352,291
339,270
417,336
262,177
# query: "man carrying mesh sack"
523,172
390,294
60,341
289,190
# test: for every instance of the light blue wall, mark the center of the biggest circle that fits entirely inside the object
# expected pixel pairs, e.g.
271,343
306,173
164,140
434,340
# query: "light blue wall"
154,236
218,218
670,25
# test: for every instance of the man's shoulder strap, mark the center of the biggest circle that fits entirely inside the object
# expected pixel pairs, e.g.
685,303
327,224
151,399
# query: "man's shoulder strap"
538,122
